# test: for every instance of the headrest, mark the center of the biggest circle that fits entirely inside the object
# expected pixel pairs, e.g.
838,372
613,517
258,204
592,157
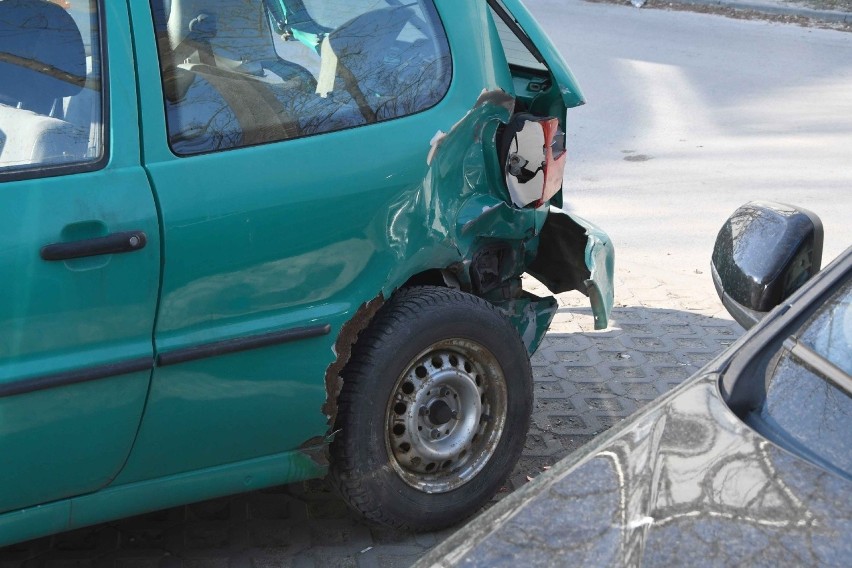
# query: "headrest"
235,31
42,57
292,16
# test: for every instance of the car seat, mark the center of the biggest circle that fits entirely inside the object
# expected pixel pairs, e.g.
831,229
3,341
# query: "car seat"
292,20
42,60
224,83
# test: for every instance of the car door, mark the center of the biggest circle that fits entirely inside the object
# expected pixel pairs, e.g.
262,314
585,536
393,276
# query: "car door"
79,250
276,210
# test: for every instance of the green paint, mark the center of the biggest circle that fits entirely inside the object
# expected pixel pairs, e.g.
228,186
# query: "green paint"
532,316
243,242
152,495
58,317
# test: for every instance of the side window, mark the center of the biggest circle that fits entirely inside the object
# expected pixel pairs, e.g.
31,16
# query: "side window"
516,52
245,72
50,84
829,333
807,403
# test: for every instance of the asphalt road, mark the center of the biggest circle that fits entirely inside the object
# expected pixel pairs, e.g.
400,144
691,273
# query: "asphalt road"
688,116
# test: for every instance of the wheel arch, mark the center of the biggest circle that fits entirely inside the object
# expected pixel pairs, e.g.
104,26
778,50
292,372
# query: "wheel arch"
360,320
390,343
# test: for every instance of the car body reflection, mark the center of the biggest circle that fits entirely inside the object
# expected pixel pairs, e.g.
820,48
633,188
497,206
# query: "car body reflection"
689,483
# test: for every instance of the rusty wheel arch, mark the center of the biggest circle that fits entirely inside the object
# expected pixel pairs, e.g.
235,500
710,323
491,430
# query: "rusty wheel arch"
348,336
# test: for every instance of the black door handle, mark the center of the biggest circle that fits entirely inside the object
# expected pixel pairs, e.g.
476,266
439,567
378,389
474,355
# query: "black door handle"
128,241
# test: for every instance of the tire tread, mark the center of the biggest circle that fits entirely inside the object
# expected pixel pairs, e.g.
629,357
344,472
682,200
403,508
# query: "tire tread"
403,307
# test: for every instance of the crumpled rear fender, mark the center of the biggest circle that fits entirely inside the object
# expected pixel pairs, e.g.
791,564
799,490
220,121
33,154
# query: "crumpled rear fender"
574,254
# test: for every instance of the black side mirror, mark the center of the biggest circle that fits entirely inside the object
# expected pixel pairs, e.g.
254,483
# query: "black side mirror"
764,252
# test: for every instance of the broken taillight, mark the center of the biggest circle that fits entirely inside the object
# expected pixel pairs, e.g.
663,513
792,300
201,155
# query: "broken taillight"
535,159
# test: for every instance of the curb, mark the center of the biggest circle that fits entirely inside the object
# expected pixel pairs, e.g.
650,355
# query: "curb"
822,15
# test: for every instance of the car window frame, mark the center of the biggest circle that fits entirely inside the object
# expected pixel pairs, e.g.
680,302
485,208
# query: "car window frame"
164,106
40,171
745,372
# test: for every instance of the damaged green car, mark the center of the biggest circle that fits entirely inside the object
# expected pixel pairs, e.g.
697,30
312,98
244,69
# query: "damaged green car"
252,242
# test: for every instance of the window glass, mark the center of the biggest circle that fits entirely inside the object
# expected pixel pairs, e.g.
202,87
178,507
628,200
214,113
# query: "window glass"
50,83
810,410
245,72
516,53
802,406
829,332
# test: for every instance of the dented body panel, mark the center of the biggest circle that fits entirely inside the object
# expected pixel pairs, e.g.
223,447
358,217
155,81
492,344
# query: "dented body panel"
421,193
308,237
577,255
304,244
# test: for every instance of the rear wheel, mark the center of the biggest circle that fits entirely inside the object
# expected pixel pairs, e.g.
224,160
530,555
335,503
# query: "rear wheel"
434,409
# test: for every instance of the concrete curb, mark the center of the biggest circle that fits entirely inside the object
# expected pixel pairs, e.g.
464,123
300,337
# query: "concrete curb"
766,8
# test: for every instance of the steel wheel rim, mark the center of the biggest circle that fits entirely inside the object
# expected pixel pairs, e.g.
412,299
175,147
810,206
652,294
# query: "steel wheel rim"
446,415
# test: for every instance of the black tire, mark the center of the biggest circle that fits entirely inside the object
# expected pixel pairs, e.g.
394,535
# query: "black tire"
459,349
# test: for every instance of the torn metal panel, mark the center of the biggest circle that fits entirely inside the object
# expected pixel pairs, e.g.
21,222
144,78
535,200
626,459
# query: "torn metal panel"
600,258
441,223
461,220
316,449
488,215
343,351
426,228
574,254
531,315
494,239
494,98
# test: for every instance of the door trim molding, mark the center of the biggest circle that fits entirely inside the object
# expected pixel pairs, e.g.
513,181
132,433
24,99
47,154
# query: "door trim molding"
175,357
75,377
238,344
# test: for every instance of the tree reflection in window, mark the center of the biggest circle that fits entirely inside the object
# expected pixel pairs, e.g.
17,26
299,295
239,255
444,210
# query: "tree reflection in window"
246,72
50,85
829,332
806,408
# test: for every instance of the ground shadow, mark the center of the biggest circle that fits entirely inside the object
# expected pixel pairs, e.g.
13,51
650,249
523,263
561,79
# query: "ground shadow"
585,383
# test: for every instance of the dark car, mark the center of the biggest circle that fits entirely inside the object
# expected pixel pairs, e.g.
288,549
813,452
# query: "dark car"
748,463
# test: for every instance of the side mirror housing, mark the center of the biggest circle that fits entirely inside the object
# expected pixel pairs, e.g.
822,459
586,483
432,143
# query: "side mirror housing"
763,253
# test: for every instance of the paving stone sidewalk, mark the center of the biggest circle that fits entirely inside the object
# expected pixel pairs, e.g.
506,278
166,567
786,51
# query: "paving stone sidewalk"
586,381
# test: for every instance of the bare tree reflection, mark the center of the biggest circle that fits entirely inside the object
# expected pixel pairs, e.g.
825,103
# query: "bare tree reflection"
690,484
50,87
229,83
707,468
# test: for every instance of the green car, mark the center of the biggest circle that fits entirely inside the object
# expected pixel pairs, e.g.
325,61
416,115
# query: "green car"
252,242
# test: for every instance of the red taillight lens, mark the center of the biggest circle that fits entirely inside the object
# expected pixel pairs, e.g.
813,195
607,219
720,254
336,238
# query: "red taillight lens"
535,159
